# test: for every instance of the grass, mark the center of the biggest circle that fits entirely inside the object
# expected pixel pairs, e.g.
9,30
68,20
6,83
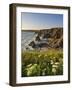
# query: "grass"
42,63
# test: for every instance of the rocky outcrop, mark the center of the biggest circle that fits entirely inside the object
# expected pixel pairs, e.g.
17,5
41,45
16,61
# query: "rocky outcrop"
48,38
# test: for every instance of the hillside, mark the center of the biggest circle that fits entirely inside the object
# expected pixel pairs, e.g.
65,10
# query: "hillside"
48,38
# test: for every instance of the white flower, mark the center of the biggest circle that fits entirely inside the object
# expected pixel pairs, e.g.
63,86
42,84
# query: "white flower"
29,65
54,66
57,63
52,62
54,70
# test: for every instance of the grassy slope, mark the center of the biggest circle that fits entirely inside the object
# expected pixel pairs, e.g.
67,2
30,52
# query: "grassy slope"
42,63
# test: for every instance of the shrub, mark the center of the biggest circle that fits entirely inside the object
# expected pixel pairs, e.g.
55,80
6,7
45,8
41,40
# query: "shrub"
42,63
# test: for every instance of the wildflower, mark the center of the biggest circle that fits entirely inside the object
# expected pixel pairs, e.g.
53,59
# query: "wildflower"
54,66
45,55
52,62
29,65
39,55
54,70
57,63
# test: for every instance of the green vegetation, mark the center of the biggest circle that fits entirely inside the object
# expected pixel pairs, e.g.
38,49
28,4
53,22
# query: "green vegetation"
42,63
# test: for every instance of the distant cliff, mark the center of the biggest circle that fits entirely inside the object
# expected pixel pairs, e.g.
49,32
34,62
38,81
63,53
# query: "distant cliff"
48,38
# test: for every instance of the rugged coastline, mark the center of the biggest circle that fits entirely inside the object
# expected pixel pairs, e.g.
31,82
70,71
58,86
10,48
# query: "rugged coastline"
46,38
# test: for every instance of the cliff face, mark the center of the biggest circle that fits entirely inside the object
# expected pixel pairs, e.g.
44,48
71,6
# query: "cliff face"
49,38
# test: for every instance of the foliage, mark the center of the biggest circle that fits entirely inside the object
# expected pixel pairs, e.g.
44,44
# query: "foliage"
42,63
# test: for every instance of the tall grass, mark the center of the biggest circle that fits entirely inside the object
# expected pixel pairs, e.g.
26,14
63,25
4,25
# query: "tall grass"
42,63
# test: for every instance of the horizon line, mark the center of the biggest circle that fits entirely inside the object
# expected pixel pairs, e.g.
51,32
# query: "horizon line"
42,29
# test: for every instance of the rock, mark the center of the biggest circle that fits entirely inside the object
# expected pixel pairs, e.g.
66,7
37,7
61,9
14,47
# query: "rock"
48,38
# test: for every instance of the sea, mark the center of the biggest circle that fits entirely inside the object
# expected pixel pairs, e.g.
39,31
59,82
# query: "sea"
26,38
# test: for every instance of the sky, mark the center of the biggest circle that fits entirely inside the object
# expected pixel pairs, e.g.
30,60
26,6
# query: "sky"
36,21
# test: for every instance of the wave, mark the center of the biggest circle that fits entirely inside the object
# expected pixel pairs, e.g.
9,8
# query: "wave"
26,38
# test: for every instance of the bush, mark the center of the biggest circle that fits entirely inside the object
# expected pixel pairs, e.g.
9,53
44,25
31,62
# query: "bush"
42,63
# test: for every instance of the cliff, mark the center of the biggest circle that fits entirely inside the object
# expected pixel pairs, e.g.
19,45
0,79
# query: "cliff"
48,38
